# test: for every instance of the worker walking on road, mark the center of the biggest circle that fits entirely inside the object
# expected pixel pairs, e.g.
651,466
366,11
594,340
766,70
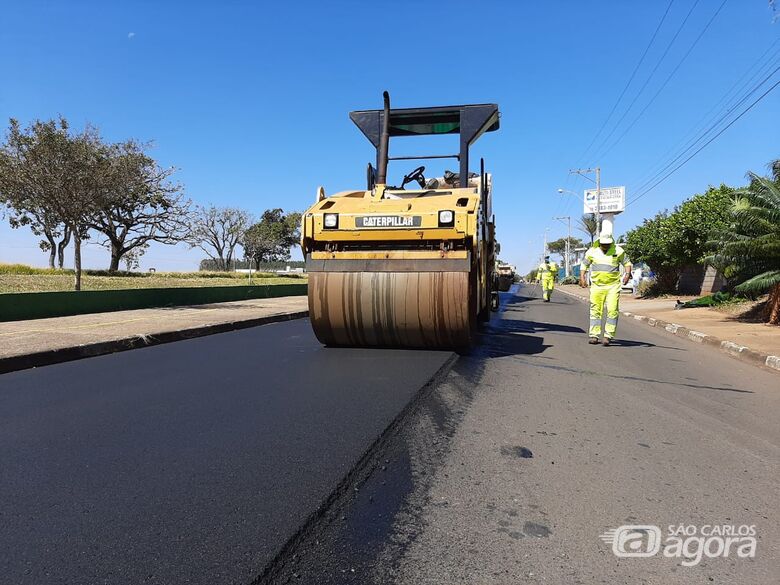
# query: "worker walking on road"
604,262
546,274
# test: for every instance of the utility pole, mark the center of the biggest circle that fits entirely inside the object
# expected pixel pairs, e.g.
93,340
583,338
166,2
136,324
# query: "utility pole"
568,243
584,173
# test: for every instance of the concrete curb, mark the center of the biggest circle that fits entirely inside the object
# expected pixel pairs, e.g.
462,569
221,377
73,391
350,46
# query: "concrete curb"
735,350
66,354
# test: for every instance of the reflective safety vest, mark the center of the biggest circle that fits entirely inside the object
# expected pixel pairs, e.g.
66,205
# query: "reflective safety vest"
547,270
605,266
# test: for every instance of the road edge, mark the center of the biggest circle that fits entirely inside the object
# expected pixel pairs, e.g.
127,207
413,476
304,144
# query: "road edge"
352,481
67,354
732,349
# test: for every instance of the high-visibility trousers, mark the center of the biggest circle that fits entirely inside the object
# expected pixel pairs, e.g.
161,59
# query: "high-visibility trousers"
548,284
600,295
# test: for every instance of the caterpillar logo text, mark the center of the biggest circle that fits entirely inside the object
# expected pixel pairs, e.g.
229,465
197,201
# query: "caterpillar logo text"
385,221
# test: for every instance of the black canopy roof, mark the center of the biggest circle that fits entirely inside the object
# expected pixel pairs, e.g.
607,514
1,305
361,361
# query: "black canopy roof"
470,121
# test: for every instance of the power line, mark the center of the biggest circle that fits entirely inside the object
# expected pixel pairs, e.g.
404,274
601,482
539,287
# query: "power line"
668,79
711,128
688,139
650,77
674,170
630,79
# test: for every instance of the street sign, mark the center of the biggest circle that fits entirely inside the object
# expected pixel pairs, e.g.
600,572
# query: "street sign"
613,200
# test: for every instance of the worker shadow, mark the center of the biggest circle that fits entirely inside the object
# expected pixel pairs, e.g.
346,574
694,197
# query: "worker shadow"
632,343
522,326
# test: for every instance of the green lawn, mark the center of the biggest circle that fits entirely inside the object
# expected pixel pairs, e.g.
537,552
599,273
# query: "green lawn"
10,283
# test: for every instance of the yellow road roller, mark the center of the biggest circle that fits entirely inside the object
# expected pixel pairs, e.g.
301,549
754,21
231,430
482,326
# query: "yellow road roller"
409,265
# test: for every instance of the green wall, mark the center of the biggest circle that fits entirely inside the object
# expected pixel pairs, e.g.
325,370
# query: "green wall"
19,306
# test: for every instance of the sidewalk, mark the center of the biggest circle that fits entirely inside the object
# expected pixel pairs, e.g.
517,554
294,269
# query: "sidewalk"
756,338
25,344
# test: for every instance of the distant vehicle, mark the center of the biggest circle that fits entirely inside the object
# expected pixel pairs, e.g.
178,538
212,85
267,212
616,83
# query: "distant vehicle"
638,275
506,276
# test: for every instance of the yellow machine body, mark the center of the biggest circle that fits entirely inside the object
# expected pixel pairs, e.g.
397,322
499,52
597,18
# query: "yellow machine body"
394,267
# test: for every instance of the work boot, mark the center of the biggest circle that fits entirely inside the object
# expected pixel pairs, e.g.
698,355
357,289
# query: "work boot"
606,342
593,340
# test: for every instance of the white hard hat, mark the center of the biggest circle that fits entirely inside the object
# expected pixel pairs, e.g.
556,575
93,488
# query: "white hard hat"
606,239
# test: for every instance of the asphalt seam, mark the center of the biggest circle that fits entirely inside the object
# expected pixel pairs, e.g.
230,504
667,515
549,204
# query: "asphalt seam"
67,354
735,350
352,481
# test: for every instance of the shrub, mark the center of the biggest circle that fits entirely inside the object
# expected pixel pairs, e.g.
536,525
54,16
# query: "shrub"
117,273
25,269
649,288
714,300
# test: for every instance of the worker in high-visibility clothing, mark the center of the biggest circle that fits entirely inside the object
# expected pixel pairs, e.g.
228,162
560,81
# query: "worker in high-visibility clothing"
604,262
547,273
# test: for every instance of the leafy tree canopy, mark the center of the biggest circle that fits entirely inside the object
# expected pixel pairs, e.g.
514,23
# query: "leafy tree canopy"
270,239
670,241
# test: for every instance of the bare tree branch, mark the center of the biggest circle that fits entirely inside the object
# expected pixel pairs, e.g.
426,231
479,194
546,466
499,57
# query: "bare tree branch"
218,231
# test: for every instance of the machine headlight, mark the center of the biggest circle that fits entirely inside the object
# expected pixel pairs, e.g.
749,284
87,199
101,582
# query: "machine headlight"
446,218
331,221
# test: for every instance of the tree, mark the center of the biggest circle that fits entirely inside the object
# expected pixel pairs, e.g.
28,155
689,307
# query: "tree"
589,225
270,239
559,246
691,225
750,246
46,167
648,243
218,231
132,258
671,241
139,205
55,236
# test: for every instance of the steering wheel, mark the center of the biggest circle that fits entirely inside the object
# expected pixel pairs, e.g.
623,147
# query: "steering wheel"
415,175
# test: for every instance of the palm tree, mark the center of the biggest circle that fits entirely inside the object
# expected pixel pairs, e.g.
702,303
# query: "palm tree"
589,225
751,246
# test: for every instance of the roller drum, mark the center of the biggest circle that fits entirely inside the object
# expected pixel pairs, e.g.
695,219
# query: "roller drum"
393,309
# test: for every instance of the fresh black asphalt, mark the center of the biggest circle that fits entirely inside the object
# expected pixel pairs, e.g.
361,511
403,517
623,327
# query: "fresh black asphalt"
536,443
191,462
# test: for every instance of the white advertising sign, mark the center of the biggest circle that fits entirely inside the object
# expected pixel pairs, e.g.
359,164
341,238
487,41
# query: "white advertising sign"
613,200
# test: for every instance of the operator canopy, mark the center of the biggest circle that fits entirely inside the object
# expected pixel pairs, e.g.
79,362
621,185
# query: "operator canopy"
470,121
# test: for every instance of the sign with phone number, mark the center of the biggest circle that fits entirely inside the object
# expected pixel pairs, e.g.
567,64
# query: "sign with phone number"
613,200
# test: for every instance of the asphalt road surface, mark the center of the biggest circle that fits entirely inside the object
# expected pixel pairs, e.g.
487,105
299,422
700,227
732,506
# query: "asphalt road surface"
194,462
537,443
191,462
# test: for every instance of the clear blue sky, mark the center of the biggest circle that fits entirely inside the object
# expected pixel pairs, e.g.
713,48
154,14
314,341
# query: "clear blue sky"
249,100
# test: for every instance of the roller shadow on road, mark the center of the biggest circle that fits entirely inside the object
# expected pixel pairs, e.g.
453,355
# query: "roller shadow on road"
507,335
502,344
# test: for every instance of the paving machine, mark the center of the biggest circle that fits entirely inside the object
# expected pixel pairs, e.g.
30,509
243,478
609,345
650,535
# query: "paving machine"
394,266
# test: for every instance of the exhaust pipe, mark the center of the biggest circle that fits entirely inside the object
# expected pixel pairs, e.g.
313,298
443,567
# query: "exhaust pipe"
384,142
